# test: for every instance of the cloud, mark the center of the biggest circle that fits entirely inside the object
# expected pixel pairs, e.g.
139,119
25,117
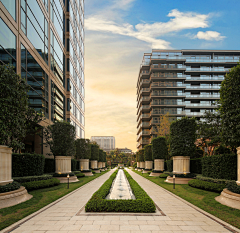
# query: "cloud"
209,35
150,33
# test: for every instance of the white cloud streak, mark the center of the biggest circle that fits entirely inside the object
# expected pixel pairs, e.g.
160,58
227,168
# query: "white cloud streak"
209,35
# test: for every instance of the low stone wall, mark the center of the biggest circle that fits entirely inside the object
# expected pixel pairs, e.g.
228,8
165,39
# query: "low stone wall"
229,198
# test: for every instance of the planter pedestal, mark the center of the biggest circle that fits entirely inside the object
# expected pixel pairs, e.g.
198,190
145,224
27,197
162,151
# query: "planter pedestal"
72,179
178,180
63,164
158,166
84,167
5,165
142,165
181,164
229,198
148,165
238,166
94,166
14,197
138,165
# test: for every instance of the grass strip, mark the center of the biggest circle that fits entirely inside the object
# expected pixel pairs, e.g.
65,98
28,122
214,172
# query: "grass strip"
201,198
41,198
142,204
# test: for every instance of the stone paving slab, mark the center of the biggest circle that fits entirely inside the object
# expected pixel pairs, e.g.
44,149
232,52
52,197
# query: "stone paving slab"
181,216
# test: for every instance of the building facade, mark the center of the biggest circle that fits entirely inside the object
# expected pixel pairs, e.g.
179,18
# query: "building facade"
44,41
124,150
106,143
180,83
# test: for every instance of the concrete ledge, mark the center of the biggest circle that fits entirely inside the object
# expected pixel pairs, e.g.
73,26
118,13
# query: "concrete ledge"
229,198
65,179
155,174
87,173
178,180
14,197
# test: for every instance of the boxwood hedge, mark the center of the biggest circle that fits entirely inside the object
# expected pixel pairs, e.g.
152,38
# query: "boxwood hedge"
40,184
214,187
9,187
31,178
233,187
143,203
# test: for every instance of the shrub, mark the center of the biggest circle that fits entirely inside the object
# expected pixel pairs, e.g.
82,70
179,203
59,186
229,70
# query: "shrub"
209,179
163,175
159,148
220,166
63,175
209,186
49,166
83,148
143,203
134,165
233,187
41,184
79,175
94,152
148,153
183,136
73,164
27,164
169,165
31,178
222,150
141,155
93,172
198,154
196,166
78,165
10,187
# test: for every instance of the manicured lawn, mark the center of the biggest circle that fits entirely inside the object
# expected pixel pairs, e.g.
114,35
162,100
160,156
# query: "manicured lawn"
41,198
200,198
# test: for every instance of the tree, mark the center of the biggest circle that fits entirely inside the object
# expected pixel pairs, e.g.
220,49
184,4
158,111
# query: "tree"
230,108
14,108
163,128
148,153
61,138
83,148
159,148
94,151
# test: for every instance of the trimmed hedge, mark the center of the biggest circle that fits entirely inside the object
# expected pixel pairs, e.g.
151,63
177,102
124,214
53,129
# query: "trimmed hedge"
209,186
233,187
220,166
10,187
31,178
79,175
209,179
73,164
141,155
159,148
101,155
148,153
83,148
26,164
163,175
94,152
41,184
169,165
49,166
196,166
143,203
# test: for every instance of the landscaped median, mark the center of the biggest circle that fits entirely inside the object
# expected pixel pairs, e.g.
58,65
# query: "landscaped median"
142,204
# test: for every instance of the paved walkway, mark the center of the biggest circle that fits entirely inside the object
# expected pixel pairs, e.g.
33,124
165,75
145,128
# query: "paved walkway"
181,217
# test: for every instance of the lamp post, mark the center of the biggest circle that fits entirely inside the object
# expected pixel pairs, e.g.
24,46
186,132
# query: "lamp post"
142,172
173,181
68,180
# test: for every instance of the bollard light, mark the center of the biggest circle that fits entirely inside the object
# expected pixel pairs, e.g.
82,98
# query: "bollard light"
68,180
173,181
142,171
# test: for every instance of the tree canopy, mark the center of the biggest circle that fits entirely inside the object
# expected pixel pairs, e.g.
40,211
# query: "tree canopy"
159,148
83,148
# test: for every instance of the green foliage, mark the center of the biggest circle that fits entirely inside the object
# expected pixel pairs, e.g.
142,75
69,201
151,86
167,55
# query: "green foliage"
169,165
63,174
134,165
159,148
104,156
200,184
49,166
183,136
27,164
83,148
187,175
209,179
141,155
220,166
33,185
198,154
61,138
230,108
196,166
73,164
163,175
101,155
233,187
98,203
94,152
79,175
222,149
148,153
14,107
31,178
9,187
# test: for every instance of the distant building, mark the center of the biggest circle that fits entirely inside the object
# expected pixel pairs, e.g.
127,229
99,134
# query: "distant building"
106,143
124,150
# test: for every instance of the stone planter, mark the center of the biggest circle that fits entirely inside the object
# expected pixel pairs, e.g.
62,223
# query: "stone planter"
142,165
63,164
5,165
159,165
84,164
238,166
94,164
14,197
148,165
138,164
181,164
99,165
229,198
178,180
72,179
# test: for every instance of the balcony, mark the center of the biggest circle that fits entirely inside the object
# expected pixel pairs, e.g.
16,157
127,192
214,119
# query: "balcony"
145,82
203,96
159,57
212,60
167,94
167,103
144,72
202,86
168,66
207,69
170,112
199,105
144,141
205,78
194,113
156,84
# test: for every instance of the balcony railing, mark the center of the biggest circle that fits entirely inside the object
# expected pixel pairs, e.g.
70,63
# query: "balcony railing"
203,95
205,78
168,85
199,105
159,66
168,103
207,69
167,94
156,75
194,113
202,87
211,60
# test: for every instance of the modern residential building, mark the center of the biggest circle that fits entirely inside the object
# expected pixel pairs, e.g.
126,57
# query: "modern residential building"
106,143
124,150
44,41
178,82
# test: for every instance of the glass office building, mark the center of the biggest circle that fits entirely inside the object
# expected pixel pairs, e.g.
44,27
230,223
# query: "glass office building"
178,82
44,41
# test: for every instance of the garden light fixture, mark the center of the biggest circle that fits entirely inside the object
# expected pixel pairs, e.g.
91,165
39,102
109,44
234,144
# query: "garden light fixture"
68,180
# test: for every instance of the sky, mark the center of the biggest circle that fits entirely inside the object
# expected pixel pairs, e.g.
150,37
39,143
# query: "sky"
119,32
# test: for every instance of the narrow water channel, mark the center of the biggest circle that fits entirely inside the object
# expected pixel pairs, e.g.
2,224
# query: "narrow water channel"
120,187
